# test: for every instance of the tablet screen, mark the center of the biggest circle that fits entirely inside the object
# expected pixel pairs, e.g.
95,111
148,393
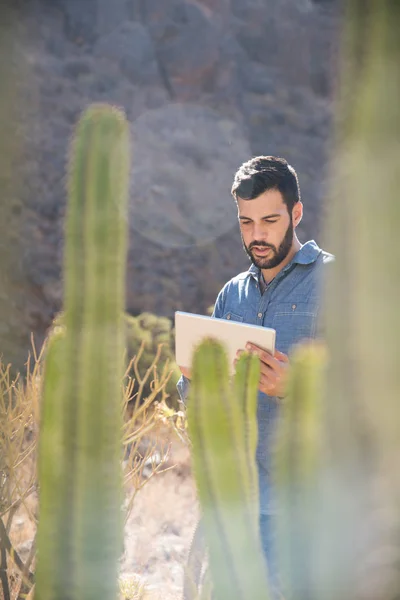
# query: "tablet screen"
191,329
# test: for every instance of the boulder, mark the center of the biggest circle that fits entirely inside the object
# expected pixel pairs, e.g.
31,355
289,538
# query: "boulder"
187,44
184,160
130,46
87,20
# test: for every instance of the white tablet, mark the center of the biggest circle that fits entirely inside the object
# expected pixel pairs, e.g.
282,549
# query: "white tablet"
191,329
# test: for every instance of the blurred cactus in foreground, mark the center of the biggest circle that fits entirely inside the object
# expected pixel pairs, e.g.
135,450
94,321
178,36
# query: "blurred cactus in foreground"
222,427
80,478
362,410
297,471
351,545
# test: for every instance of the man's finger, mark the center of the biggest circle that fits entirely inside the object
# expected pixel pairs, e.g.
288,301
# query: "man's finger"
265,369
280,356
267,383
268,378
266,357
186,372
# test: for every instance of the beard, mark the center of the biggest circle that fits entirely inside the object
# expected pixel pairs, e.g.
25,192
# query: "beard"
278,254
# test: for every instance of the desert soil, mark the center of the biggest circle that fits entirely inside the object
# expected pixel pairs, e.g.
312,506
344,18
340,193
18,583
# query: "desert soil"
158,531
160,527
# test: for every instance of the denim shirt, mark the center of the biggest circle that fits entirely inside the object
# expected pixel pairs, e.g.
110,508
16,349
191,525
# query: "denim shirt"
290,304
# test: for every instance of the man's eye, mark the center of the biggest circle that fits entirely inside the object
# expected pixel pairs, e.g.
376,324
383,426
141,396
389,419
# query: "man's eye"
268,221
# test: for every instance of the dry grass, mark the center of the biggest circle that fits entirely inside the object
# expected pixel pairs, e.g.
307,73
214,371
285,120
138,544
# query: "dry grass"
160,507
160,527
158,531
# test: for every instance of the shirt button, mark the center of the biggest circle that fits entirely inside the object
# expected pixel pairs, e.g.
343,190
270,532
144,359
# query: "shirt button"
294,306
259,315
228,316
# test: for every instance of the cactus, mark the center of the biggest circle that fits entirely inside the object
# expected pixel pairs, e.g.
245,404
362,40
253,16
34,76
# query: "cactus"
352,479
297,470
361,416
80,521
222,421
196,565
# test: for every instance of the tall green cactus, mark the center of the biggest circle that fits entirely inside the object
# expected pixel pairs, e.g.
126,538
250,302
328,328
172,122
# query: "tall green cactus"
222,421
80,524
350,551
362,409
297,472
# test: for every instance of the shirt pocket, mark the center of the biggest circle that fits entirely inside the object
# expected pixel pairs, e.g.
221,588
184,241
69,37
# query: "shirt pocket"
294,322
231,316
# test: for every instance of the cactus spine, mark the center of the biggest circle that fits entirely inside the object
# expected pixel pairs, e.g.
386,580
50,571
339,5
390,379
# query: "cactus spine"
80,526
225,475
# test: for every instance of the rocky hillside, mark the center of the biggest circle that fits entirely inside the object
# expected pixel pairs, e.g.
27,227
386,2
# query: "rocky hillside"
205,84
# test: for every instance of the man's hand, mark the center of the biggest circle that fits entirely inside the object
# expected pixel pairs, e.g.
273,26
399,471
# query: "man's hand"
186,372
273,370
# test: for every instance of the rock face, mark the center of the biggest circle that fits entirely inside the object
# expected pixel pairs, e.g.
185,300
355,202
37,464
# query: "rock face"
206,84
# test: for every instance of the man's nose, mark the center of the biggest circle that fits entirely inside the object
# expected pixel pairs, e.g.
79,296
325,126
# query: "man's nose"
259,233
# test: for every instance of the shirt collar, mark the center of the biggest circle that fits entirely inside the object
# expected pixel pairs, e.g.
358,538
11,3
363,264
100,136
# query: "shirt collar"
307,254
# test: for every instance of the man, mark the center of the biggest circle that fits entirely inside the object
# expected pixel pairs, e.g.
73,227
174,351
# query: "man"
280,290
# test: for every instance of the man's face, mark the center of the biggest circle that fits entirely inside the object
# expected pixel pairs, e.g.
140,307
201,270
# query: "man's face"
267,229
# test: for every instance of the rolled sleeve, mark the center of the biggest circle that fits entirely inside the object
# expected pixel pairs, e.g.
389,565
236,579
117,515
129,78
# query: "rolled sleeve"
183,387
219,304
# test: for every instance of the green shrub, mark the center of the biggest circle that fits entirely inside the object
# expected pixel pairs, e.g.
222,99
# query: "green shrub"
151,336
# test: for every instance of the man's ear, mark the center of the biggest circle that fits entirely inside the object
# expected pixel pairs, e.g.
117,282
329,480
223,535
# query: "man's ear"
297,213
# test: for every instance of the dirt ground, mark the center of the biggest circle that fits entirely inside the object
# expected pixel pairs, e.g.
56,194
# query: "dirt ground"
158,532
160,528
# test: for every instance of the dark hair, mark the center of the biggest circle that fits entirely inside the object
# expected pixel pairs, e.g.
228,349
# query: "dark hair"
263,173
